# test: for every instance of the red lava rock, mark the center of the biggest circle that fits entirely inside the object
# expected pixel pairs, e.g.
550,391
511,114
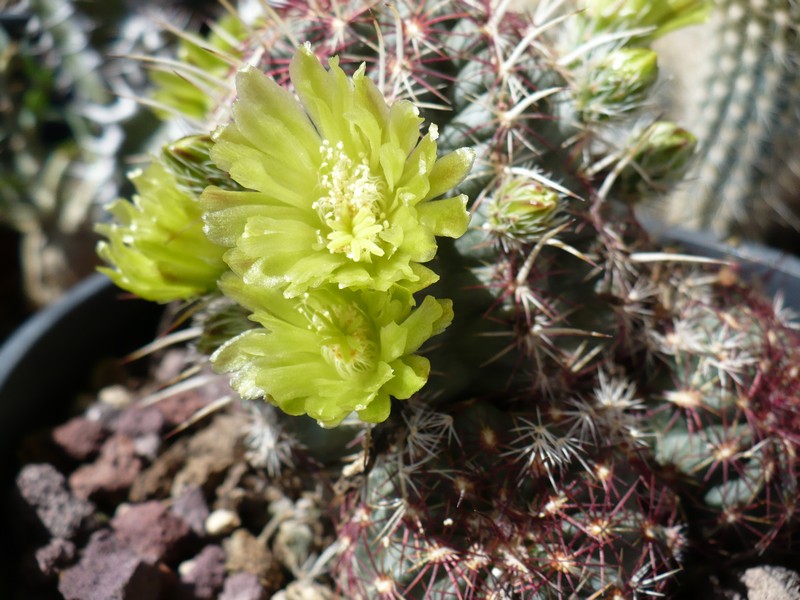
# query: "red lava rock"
151,531
176,410
138,421
205,573
80,438
109,571
243,586
191,506
44,490
111,474
54,556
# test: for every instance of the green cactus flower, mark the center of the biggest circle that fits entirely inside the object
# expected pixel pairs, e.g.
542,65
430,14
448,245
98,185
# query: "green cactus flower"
343,189
329,352
156,247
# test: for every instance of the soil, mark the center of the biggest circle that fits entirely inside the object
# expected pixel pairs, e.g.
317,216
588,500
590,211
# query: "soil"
167,497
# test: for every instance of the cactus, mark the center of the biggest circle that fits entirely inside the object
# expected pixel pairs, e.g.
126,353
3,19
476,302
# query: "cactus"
741,105
71,125
556,407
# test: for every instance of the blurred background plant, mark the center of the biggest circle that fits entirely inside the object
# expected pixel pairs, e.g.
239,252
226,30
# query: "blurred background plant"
70,129
734,81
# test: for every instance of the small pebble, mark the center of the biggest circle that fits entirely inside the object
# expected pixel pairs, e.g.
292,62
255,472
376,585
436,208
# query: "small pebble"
221,521
147,446
117,396
304,590
771,583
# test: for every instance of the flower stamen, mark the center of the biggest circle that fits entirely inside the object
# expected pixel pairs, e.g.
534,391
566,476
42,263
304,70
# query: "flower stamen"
347,340
351,204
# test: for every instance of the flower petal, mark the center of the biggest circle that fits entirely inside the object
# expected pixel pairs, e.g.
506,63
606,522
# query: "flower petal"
448,217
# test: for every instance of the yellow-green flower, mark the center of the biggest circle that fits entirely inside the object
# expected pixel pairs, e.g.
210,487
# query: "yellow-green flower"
330,351
340,187
156,247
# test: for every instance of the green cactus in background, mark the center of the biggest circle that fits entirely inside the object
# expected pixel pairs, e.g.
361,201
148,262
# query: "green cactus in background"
581,411
61,141
740,98
71,125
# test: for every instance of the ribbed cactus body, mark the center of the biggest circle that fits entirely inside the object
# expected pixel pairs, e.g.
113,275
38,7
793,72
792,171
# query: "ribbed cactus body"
489,504
744,112
723,426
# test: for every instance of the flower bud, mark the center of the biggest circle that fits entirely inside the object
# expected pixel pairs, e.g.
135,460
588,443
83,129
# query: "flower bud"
190,162
618,84
663,156
521,210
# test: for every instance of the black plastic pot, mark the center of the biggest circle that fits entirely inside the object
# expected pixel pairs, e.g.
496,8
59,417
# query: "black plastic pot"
775,271
48,360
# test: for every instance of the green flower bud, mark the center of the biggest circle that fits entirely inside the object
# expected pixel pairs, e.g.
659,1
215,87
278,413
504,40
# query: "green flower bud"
340,187
156,247
189,160
663,155
185,87
521,210
220,320
662,16
616,84
330,351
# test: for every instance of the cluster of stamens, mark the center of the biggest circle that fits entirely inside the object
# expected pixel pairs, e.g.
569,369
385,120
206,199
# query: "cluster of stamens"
350,205
347,343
